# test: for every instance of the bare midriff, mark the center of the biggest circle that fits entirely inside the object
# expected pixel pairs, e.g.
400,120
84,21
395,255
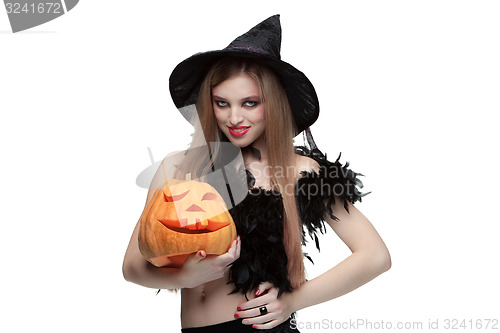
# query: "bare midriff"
209,304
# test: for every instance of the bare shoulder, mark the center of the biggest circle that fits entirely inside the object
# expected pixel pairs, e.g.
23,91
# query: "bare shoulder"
304,163
166,170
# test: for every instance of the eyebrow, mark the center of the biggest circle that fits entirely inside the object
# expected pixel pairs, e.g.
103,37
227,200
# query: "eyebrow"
243,99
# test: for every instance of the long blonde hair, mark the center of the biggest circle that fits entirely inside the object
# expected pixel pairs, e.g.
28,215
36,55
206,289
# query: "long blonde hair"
279,132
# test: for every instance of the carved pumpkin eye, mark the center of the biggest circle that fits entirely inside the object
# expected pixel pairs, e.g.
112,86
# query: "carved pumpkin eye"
209,196
174,197
180,196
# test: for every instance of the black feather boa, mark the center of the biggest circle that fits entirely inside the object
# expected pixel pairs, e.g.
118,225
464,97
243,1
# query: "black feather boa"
314,189
259,220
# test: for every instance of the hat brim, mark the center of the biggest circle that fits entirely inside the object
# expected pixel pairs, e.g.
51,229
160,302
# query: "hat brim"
187,76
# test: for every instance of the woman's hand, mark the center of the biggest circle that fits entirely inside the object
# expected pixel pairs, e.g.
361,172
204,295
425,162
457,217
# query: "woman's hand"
200,268
278,309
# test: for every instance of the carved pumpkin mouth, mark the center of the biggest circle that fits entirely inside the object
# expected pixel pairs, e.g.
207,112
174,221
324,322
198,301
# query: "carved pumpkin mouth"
190,231
200,227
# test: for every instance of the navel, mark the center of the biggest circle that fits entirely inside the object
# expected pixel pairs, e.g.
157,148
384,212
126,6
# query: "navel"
203,294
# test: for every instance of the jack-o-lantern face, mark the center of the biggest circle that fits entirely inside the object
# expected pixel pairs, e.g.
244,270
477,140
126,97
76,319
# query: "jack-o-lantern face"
185,217
191,206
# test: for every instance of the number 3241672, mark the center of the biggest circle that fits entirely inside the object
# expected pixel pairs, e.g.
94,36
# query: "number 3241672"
485,324
40,8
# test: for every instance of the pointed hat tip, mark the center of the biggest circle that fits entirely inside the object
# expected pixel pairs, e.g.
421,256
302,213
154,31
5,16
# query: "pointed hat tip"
264,38
275,17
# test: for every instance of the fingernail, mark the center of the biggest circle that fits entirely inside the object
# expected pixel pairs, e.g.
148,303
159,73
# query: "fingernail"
253,326
257,292
238,308
236,315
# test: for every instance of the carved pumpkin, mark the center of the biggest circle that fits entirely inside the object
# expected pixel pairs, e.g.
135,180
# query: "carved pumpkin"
185,217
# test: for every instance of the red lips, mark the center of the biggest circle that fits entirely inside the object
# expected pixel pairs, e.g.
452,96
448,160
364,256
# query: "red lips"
238,130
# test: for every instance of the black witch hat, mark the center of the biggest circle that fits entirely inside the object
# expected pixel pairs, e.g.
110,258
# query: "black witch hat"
261,43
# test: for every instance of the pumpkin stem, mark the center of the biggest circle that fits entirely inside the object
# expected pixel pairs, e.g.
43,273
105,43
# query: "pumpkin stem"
151,156
188,176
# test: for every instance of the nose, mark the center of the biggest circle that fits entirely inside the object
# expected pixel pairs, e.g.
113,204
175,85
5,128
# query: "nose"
236,115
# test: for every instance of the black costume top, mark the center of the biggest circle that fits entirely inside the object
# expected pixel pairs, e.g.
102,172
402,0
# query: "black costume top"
259,220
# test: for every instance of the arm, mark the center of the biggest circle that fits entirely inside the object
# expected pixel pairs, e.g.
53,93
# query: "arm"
369,259
135,267
197,269
137,270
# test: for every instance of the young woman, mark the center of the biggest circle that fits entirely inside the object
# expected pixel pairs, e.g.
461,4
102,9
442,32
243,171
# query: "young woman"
246,95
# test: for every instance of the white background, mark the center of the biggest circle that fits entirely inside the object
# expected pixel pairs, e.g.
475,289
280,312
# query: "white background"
408,93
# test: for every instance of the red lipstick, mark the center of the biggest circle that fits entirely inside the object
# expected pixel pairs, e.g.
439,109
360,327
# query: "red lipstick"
238,130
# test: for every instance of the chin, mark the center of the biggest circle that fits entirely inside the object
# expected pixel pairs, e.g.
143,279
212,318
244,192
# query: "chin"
240,144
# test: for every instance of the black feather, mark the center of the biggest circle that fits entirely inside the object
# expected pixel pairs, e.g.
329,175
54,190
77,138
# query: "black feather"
314,188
